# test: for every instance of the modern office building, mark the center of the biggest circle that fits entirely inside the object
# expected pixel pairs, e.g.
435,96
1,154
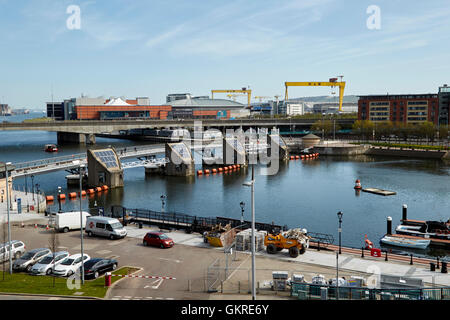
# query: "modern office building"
406,108
444,105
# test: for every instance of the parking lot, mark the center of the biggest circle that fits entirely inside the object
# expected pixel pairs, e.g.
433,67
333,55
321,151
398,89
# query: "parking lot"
180,262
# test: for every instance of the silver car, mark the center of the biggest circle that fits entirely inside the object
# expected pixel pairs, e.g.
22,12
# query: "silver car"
46,265
29,258
17,249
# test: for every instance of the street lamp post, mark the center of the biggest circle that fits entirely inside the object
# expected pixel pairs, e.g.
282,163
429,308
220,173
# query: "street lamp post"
32,185
7,210
59,199
37,195
252,185
163,197
81,171
340,214
242,204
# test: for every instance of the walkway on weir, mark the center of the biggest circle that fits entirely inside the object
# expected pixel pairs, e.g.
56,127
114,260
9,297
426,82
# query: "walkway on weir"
69,162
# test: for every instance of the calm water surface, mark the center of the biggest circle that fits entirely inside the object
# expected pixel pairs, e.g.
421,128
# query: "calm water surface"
305,194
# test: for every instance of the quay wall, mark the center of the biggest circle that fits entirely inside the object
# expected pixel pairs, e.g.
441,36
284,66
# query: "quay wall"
429,154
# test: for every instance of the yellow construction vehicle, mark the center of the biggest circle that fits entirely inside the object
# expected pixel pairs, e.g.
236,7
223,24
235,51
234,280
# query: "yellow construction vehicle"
295,240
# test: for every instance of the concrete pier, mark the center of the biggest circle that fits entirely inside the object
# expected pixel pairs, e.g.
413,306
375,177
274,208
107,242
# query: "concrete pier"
70,137
181,162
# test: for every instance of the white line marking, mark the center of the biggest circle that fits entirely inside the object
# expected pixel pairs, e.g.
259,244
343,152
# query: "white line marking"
173,260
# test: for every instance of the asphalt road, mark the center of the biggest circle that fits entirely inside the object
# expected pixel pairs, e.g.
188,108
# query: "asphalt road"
180,262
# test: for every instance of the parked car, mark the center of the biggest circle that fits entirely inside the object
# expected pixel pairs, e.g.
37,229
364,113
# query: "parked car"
29,258
157,239
46,265
96,266
17,249
70,265
105,227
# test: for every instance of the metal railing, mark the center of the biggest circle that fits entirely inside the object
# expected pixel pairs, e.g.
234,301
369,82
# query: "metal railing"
306,291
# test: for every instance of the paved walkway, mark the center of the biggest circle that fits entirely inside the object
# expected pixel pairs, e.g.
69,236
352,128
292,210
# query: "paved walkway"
323,258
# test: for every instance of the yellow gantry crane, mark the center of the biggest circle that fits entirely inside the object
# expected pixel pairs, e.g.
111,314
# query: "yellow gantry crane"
261,98
243,90
330,83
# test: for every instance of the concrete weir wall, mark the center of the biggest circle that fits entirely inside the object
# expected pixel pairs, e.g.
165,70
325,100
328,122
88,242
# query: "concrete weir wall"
430,154
341,150
70,137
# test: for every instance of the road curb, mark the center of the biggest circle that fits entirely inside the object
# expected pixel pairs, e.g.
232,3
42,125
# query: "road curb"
108,292
47,295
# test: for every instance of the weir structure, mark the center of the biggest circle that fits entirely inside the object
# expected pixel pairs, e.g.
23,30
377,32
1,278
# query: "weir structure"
104,168
181,161
233,150
276,142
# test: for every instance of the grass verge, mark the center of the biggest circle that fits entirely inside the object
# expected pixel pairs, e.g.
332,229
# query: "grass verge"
29,284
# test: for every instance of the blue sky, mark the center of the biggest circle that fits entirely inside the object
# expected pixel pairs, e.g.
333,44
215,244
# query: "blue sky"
152,48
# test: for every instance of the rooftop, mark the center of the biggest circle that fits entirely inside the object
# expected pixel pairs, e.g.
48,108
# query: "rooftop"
205,103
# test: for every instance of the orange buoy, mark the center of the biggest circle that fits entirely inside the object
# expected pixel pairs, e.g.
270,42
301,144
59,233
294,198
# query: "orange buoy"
105,187
297,157
98,189
72,195
61,196
199,172
239,166
214,170
220,170
358,184
206,171
292,157
49,198
225,168
90,191
234,166
83,193
302,157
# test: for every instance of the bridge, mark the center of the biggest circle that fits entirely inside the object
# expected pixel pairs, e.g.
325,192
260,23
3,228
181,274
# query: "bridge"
146,155
84,131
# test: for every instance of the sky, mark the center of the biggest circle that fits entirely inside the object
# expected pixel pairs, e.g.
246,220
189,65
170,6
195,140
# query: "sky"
137,48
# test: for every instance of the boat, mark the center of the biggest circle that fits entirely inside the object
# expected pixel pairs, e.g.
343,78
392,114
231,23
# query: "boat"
406,242
50,148
426,229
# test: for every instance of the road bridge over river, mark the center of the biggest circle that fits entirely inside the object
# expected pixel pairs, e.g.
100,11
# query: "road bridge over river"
84,131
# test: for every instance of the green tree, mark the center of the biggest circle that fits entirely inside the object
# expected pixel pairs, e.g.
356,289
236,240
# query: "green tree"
426,130
364,128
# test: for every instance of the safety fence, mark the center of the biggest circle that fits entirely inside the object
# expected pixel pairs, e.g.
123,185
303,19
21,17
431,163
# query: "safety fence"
306,291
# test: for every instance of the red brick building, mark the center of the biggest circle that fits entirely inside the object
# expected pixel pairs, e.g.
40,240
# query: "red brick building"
406,108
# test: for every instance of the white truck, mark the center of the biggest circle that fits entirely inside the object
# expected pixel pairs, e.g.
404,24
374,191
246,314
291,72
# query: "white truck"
66,221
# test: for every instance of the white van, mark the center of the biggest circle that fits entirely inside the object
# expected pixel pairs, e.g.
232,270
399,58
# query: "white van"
66,221
105,227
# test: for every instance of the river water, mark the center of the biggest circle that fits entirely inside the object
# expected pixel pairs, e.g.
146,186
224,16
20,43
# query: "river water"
305,194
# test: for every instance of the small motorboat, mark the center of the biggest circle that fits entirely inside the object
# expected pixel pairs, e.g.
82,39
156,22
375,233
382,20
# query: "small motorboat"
406,242
428,229
51,148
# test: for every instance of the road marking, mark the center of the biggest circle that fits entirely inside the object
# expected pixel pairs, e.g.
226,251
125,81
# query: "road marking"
138,298
173,260
112,257
114,243
102,252
54,298
158,281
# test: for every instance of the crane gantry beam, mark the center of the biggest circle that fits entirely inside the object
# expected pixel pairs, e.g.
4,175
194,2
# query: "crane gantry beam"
247,91
331,83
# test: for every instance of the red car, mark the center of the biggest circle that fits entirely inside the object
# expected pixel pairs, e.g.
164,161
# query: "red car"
157,239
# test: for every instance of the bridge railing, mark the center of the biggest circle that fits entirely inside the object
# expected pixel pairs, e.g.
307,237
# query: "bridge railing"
48,161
